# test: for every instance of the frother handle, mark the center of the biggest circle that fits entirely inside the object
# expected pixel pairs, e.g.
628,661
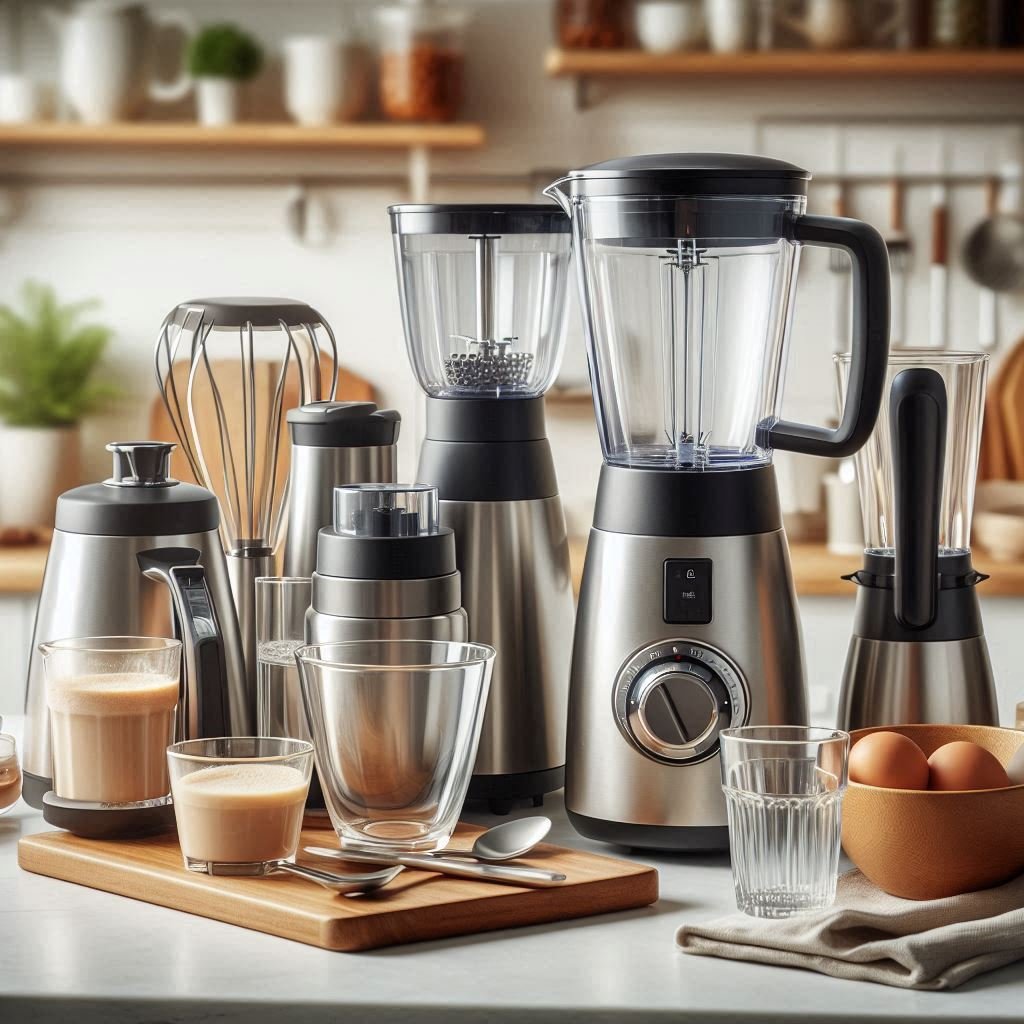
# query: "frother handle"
870,350
202,705
917,417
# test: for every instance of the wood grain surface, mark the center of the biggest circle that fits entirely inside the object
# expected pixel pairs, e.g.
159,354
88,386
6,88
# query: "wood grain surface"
416,906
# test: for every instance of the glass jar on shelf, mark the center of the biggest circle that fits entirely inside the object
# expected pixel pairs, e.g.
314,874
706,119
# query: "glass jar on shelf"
591,24
421,60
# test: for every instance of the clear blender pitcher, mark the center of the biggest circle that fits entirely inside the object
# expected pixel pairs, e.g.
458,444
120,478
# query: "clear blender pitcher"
483,296
688,267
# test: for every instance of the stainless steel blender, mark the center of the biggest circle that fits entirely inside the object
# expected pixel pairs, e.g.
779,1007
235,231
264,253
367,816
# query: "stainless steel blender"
483,301
687,619
918,651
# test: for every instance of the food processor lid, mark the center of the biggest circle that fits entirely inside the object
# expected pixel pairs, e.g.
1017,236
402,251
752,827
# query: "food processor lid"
343,425
478,219
254,310
139,499
689,174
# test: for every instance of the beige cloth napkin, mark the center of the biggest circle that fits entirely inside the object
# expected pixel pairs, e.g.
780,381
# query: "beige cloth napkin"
868,935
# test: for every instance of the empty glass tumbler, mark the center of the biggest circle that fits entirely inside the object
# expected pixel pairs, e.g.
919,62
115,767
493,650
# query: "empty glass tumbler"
395,727
784,789
281,606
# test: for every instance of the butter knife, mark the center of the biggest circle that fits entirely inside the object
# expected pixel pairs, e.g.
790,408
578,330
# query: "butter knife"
535,878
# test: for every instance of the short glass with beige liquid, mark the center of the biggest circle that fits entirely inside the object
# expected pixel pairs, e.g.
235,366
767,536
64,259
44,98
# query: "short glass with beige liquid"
10,772
239,800
112,704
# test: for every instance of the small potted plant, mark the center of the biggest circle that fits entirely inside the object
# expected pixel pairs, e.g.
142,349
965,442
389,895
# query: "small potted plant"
48,362
219,58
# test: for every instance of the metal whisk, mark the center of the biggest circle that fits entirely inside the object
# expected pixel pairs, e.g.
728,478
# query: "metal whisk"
248,360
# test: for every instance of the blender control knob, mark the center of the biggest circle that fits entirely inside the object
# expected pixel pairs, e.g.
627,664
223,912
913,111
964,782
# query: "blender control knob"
673,699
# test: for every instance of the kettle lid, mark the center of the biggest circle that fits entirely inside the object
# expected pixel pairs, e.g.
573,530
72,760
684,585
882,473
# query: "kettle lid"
139,499
343,425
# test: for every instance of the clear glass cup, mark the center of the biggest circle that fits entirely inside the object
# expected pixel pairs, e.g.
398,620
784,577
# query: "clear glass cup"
395,725
964,374
239,800
281,606
112,702
784,789
10,771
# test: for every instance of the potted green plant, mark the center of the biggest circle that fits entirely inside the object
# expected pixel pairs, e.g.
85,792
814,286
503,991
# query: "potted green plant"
219,58
48,363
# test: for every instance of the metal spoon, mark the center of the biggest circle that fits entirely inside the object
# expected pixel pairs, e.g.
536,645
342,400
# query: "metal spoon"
507,873
365,881
506,841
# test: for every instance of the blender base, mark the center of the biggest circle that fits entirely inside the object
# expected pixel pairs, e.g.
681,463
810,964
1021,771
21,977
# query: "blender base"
671,838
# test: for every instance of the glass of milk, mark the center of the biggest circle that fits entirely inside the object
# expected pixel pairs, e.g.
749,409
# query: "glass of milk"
238,800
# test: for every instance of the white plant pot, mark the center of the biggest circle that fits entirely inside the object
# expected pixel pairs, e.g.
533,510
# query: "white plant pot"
217,101
36,465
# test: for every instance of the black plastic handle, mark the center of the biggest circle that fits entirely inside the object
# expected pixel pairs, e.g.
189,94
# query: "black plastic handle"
202,703
870,351
917,415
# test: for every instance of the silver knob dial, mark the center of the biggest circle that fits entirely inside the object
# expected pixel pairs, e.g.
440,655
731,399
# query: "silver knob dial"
672,701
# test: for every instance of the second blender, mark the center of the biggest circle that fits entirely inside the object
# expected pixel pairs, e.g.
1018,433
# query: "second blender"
483,305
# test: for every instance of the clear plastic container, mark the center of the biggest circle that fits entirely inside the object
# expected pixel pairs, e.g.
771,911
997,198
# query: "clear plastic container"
591,24
421,60
386,510
483,292
964,374
687,333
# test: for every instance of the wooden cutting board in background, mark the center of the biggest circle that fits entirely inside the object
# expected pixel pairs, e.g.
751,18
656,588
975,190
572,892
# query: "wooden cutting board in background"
1004,422
1010,395
351,388
418,905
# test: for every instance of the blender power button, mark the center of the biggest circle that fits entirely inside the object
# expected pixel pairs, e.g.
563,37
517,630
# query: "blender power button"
688,591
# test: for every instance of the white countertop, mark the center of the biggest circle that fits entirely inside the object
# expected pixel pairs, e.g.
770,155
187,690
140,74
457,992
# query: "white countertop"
68,952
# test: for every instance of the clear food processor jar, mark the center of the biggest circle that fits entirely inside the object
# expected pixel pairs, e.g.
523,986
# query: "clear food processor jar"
386,510
964,375
687,268
482,290
421,60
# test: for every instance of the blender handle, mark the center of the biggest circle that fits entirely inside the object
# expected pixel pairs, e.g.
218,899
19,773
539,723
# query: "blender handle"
917,418
870,351
202,704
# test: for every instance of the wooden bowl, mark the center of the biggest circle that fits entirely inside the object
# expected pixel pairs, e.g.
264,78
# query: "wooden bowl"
923,845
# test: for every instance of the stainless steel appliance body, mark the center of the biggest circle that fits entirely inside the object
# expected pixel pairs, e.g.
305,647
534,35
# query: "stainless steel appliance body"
687,621
649,697
95,584
333,443
918,651
482,289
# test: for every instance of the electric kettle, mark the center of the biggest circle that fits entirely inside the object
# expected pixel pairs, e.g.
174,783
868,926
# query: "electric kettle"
139,554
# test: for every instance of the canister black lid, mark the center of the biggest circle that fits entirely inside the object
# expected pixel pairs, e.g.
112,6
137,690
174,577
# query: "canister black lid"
478,219
343,425
139,499
691,174
421,557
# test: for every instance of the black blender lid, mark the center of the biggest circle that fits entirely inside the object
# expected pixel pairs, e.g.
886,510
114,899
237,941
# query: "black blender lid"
713,174
260,312
478,219
343,425
139,499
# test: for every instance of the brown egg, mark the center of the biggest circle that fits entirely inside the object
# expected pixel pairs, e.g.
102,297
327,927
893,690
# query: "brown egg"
889,760
963,765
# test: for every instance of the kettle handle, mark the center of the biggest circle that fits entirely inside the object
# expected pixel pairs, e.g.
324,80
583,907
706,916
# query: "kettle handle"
178,88
202,702
870,350
917,423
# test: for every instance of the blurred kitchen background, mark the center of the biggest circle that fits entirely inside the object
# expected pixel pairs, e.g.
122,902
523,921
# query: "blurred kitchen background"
900,108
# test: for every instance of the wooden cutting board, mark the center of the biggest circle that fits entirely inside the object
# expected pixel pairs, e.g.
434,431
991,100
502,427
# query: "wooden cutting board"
418,905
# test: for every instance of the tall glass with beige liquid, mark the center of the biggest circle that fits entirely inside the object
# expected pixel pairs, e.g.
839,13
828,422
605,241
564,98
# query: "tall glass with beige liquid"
112,704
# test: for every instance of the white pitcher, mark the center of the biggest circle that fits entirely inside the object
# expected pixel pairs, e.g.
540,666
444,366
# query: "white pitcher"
107,55
826,24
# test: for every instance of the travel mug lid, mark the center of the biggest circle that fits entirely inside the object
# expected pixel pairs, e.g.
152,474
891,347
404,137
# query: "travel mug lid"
343,425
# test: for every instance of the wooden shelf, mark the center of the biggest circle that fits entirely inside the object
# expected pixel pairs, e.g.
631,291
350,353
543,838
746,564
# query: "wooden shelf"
187,135
789,63
578,396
